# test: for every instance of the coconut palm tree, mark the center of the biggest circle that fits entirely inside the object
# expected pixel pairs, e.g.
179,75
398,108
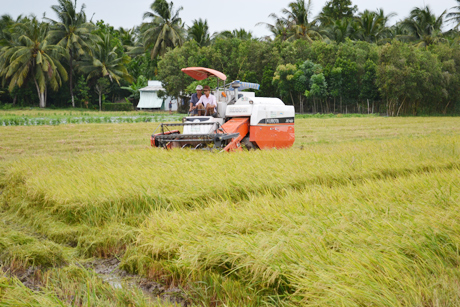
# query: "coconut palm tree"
424,26
199,32
241,34
341,29
336,9
298,16
373,25
105,61
7,39
72,32
165,30
7,29
33,57
6,23
127,37
454,16
279,29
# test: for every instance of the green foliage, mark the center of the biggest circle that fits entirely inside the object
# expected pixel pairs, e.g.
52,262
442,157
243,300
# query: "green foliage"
33,58
285,80
199,32
107,59
339,39
240,34
211,82
101,87
335,83
136,86
350,80
83,91
128,106
369,89
72,32
408,78
424,26
318,86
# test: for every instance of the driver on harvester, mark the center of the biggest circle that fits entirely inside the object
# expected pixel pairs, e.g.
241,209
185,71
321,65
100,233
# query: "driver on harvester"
207,104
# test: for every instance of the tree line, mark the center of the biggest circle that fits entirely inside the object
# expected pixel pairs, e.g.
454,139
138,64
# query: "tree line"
342,60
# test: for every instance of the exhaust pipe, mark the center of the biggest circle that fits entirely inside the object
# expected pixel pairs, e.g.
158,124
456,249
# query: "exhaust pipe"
235,87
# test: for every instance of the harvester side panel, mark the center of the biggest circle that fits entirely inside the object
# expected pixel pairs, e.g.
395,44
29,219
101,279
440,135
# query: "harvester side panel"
272,136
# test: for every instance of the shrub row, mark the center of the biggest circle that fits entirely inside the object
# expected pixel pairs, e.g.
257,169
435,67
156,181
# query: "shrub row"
124,106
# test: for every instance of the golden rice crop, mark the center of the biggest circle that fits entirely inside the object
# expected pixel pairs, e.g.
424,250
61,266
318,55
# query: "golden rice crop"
361,212
19,142
19,250
385,242
94,189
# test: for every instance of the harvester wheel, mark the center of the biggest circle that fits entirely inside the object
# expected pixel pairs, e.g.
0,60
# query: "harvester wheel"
248,144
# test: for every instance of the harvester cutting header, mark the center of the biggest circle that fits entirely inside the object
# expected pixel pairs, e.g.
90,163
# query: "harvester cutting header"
241,118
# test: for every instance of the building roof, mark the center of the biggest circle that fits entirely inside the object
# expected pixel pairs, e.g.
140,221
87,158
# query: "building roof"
153,85
152,88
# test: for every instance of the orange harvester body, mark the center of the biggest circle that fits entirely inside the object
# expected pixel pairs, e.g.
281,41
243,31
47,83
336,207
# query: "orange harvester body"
241,119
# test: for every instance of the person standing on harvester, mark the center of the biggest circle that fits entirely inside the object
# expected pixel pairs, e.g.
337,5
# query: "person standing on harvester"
208,102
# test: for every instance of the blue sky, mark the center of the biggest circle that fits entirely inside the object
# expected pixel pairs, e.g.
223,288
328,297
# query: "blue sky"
221,15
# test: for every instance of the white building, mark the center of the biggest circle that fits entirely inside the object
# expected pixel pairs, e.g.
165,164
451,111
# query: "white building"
149,98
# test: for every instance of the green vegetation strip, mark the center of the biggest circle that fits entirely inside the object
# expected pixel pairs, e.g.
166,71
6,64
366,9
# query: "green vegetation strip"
59,118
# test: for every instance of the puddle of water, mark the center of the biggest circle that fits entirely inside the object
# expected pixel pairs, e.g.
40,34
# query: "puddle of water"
115,282
108,270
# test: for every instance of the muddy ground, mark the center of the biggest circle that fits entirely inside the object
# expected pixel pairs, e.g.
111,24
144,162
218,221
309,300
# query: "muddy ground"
109,271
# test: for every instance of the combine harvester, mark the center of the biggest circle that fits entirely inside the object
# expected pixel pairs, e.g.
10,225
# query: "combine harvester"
241,119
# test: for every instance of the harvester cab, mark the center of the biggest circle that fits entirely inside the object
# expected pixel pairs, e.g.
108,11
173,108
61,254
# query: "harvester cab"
241,119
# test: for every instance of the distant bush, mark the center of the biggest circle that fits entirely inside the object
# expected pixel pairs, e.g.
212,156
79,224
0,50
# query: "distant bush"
6,106
117,106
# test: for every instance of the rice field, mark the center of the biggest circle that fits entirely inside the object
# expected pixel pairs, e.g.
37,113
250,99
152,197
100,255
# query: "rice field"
362,211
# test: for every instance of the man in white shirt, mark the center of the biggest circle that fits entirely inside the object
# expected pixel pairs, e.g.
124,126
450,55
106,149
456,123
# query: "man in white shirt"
208,103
